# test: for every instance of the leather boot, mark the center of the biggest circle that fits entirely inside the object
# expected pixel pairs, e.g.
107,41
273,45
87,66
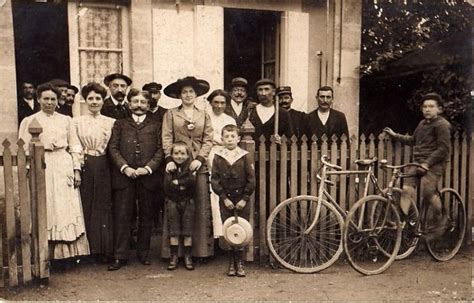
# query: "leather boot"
173,258
240,264
231,254
188,259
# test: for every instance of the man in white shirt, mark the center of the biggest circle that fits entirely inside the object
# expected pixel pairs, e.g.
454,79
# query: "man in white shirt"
238,106
27,104
263,116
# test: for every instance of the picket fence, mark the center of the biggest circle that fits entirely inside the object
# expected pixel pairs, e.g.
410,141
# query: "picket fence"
23,230
282,171
289,169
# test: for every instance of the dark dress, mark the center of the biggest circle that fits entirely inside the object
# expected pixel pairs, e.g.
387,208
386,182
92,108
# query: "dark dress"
90,136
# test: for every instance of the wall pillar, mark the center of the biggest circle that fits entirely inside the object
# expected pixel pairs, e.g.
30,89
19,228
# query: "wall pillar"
8,97
347,44
141,43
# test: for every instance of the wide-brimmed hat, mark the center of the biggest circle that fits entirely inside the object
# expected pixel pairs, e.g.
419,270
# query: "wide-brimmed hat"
174,89
113,76
237,231
152,87
239,81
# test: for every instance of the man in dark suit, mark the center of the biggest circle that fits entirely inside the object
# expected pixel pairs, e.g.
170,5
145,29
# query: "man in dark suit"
154,89
238,106
27,104
263,115
285,99
324,119
136,151
115,105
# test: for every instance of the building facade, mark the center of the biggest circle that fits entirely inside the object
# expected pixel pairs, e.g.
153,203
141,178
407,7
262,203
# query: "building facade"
301,43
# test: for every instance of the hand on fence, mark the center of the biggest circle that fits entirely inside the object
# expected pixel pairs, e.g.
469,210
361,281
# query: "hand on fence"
77,178
389,131
195,165
240,205
171,166
277,139
229,204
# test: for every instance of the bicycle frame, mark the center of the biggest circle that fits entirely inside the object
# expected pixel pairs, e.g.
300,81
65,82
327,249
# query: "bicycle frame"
322,191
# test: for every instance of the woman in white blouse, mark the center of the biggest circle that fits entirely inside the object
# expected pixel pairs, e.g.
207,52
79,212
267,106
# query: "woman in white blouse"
65,220
90,136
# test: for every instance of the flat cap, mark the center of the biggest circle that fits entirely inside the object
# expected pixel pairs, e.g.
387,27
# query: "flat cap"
239,81
432,96
113,76
152,87
58,83
265,81
283,90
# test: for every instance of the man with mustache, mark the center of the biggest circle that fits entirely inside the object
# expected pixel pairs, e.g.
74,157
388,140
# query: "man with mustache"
238,106
263,116
154,89
324,119
27,104
285,99
63,107
115,105
136,151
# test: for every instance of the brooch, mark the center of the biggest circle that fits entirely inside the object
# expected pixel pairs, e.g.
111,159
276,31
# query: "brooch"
190,125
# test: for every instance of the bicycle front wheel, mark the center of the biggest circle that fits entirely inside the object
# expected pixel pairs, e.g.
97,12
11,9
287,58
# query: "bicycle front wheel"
372,235
293,245
446,246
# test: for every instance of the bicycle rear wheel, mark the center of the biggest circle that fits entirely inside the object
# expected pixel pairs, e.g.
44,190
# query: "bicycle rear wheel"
299,251
372,235
446,246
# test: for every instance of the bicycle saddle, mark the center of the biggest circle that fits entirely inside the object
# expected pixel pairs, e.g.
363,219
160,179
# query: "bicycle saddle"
366,162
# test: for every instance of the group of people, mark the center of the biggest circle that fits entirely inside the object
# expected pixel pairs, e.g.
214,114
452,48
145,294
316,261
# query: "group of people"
128,159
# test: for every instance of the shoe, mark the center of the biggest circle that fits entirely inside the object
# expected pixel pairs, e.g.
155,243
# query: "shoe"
188,262
144,260
231,272
117,264
173,258
240,268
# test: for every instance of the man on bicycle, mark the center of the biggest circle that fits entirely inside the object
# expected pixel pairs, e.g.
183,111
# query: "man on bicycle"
431,148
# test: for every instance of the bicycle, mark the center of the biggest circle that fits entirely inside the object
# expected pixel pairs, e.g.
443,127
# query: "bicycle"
304,233
373,228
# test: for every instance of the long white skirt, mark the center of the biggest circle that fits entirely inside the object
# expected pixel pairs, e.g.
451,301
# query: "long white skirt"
215,208
65,219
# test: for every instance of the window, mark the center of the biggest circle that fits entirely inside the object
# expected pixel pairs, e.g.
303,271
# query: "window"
101,48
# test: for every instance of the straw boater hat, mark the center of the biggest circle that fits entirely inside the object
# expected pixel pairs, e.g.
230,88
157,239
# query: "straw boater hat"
174,89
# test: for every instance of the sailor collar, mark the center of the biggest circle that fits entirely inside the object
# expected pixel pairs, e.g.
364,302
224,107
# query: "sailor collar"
232,156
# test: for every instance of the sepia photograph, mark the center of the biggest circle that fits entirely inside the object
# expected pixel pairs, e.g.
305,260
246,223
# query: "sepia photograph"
236,150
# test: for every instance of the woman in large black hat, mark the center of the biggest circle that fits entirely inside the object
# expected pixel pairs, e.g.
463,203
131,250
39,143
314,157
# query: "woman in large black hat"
193,126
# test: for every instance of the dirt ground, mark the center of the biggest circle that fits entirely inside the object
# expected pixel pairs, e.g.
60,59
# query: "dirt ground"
418,278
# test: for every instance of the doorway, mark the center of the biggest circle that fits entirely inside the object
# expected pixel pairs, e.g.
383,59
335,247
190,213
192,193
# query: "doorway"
41,41
251,45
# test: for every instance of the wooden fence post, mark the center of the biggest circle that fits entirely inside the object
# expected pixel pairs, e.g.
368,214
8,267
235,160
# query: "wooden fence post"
38,203
248,144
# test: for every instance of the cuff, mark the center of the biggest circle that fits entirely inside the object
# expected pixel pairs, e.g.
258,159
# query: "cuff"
201,159
123,168
148,169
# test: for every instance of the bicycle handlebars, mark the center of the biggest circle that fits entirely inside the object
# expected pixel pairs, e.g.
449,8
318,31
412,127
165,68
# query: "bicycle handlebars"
384,164
325,159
